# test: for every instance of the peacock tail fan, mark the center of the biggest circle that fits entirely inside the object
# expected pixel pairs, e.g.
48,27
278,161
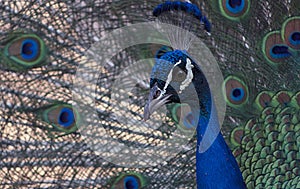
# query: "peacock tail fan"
42,43
249,46
267,147
248,42
40,142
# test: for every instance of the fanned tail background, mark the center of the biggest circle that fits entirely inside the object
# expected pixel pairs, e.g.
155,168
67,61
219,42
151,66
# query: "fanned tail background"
43,42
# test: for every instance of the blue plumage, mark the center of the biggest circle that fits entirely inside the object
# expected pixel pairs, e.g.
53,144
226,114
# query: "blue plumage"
216,167
177,78
182,6
46,142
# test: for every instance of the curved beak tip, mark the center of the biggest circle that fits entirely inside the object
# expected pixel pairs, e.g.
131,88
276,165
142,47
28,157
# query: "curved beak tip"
154,102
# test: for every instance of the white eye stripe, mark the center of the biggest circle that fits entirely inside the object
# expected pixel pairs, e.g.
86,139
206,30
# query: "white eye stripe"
169,79
187,80
189,76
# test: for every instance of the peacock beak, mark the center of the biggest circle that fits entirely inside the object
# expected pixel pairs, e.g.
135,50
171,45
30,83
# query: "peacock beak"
156,99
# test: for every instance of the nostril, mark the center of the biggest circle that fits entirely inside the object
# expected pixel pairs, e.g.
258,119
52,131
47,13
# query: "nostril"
156,94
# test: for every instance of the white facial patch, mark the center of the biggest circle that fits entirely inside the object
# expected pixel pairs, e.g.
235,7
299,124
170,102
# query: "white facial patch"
169,79
187,80
189,76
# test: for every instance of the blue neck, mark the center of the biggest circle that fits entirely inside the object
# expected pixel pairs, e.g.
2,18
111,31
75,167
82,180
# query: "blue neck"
216,166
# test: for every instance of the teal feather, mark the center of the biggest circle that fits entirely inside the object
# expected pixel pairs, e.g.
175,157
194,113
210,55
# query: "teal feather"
262,130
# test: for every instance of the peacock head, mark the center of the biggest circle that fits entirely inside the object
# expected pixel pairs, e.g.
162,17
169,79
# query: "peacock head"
176,78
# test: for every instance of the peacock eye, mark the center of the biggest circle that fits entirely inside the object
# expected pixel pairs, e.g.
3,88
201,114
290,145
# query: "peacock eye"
178,74
23,51
129,180
236,91
60,117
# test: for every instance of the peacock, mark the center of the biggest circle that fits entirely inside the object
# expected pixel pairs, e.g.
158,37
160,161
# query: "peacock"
153,114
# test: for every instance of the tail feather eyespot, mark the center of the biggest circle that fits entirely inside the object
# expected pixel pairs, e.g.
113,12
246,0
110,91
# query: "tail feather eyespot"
23,51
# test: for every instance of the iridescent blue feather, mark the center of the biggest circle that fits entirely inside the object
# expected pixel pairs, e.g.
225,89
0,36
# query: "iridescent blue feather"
182,6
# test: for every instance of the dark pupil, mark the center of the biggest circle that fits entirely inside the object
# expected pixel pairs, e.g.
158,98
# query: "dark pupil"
235,3
236,92
64,117
296,36
180,74
280,50
129,185
27,49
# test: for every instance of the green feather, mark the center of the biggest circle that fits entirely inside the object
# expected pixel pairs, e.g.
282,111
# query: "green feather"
269,142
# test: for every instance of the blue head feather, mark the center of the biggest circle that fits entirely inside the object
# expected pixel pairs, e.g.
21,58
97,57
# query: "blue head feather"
185,7
216,167
177,76
165,64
